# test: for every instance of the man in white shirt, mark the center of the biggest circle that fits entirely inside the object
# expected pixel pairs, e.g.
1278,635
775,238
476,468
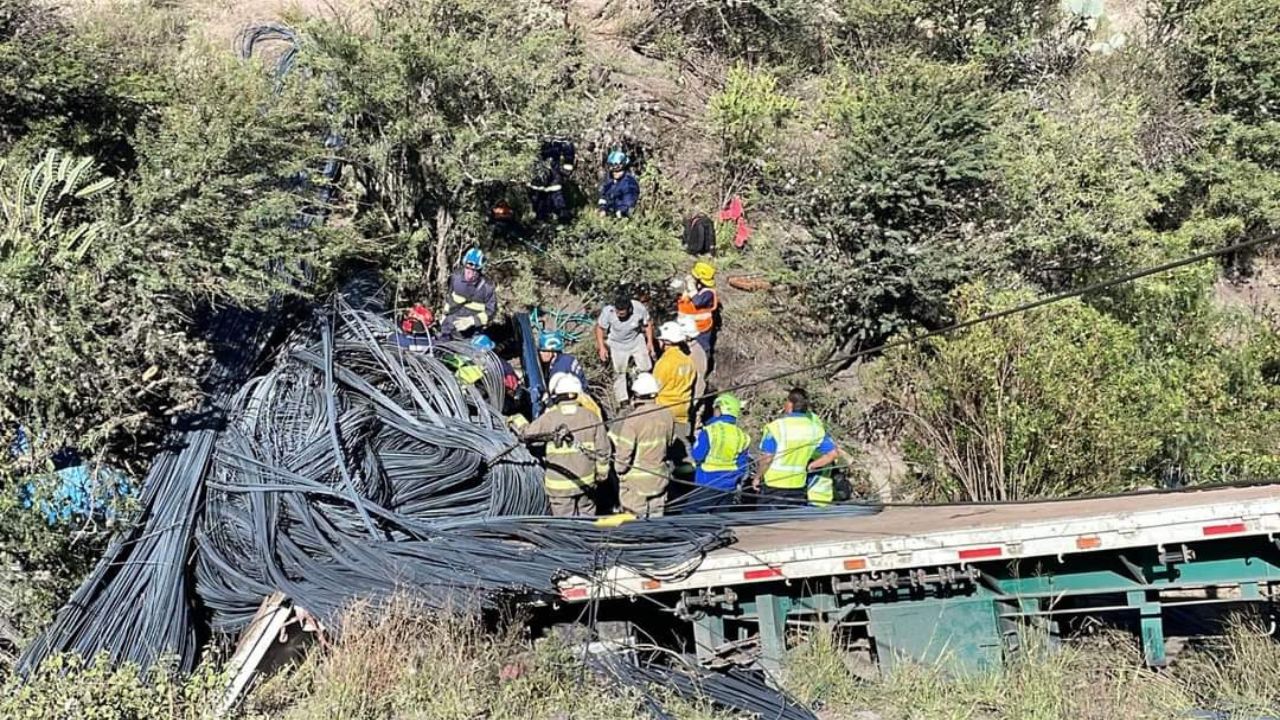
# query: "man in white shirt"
624,334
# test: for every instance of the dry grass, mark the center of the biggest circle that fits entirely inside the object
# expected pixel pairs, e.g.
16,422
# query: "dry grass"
1102,679
404,661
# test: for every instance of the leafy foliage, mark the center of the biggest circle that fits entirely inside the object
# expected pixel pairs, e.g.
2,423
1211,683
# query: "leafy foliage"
1075,193
996,413
70,687
894,203
443,101
748,115
1234,46
56,88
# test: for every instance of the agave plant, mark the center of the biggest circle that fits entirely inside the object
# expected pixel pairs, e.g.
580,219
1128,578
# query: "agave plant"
38,222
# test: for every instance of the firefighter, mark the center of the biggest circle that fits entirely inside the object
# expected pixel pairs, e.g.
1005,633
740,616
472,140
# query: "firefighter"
577,449
640,457
472,302
701,364
675,374
620,191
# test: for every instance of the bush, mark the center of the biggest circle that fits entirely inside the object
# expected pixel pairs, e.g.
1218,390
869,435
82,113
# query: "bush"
441,102
773,31
1075,194
996,412
747,115
70,688
59,90
895,200
1233,48
595,255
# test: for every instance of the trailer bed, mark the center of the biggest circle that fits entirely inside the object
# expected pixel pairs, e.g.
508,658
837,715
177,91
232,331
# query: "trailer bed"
907,537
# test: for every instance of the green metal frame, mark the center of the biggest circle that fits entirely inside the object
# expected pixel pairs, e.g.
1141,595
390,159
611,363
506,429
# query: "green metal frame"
971,625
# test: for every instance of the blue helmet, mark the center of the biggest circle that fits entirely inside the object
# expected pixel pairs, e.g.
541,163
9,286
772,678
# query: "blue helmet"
552,342
484,342
474,258
617,158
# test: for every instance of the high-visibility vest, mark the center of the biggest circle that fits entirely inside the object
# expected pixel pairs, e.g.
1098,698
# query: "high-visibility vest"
798,439
822,486
822,489
726,442
703,318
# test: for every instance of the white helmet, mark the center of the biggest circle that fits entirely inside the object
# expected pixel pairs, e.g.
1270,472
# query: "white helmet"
645,385
564,384
689,327
671,332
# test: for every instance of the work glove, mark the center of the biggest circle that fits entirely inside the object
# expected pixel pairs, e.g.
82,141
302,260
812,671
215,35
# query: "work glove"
464,323
690,286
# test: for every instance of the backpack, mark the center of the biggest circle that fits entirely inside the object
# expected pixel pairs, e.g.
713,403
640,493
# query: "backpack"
700,235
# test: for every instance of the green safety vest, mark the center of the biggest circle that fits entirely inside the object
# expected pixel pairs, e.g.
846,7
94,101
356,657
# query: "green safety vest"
726,442
798,439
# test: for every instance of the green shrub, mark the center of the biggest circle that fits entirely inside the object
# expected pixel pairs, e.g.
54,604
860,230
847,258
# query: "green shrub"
441,102
71,688
595,255
1233,50
996,412
778,31
1076,196
58,89
894,201
748,115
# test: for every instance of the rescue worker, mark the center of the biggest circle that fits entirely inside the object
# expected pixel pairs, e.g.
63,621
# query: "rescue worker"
640,451
701,364
794,448
547,192
720,455
510,381
472,302
624,334
578,458
584,398
620,191
556,360
701,304
675,374
414,334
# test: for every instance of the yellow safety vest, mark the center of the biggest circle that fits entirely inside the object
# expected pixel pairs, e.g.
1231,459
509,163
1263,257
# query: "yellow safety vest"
797,439
726,442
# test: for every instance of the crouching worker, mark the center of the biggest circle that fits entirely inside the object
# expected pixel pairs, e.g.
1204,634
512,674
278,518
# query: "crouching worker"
577,449
642,441
472,302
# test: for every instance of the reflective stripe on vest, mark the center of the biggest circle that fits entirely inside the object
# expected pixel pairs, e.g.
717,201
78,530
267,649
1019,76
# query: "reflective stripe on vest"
726,441
476,308
703,318
798,439
554,480
822,491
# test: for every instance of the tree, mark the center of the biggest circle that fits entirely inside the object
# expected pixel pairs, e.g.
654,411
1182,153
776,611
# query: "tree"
441,102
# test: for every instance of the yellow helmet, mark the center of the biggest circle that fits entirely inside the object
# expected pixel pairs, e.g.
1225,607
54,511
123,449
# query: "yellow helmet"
705,273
